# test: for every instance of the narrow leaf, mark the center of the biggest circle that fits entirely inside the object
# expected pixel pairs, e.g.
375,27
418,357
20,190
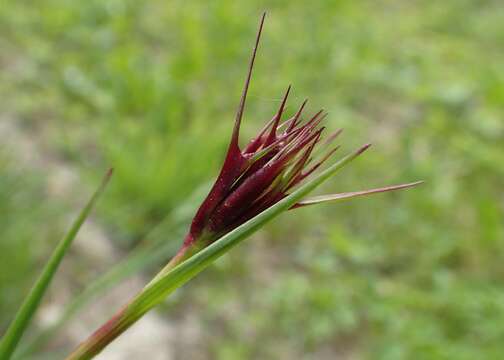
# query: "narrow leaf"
32,301
352,194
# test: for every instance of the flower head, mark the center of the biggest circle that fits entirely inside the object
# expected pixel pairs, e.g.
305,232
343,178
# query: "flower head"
273,164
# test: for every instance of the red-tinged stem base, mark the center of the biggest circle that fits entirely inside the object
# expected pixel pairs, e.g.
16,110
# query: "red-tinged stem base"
125,317
102,337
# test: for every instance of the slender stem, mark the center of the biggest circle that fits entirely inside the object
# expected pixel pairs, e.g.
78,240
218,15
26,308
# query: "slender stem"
190,247
126,316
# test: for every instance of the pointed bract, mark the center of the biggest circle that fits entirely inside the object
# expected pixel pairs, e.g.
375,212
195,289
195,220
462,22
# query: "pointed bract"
353,194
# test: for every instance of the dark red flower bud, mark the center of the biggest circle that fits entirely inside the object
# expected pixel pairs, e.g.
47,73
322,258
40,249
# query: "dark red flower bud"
271,166
261,174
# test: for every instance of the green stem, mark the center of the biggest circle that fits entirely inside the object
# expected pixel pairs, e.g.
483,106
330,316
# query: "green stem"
126,316
29,306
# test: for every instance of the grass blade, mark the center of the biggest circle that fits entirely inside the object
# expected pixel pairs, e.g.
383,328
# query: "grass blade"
32,301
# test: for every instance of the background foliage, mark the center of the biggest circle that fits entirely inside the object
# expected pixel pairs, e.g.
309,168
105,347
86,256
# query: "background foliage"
151,88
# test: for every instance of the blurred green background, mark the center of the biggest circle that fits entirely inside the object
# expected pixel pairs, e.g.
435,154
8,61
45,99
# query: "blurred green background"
151,88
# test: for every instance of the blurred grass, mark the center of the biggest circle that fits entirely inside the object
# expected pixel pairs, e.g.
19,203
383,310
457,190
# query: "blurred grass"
152,87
